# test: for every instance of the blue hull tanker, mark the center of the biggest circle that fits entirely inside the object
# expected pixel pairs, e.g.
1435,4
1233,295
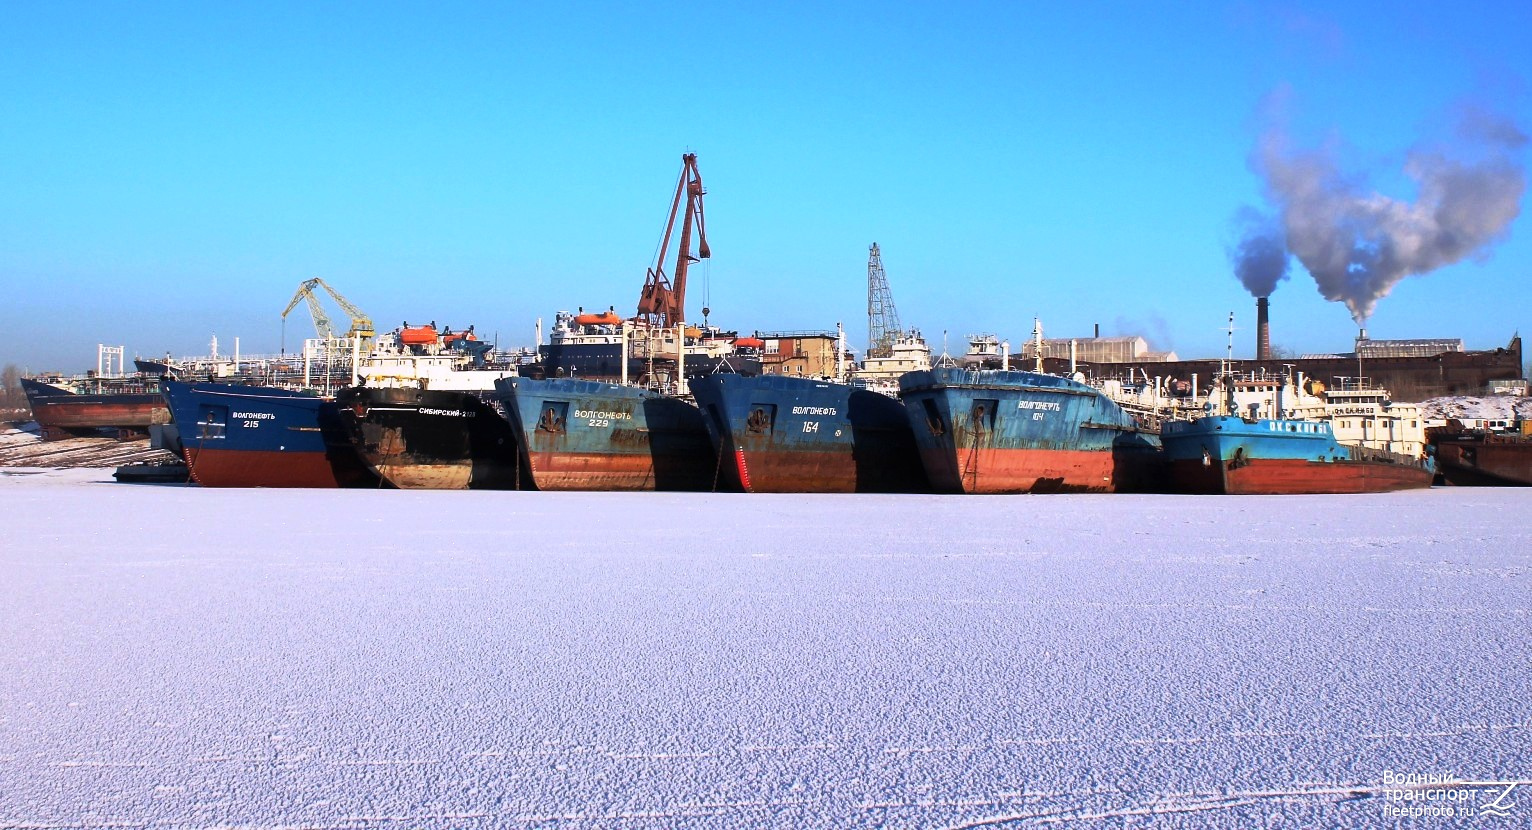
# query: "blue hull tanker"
591,435
991,431
254,436
795,435
1229,454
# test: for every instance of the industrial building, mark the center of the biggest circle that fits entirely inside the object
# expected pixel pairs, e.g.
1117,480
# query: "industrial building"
1411,370
1132,349
799,353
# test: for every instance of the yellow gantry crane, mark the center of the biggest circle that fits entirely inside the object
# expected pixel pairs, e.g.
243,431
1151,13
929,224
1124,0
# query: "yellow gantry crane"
361,324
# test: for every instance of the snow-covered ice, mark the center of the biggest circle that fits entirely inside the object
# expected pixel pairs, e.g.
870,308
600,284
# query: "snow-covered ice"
22,445
183,657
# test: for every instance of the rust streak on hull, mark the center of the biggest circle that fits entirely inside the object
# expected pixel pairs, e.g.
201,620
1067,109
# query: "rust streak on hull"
797,471
58,417
1485,463
566,470
1296,477
422,476
987,470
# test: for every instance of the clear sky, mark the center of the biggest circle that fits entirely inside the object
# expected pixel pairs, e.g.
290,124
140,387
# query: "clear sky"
173,171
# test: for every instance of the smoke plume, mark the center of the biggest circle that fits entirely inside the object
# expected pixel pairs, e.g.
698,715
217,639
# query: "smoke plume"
1260,258
1358,244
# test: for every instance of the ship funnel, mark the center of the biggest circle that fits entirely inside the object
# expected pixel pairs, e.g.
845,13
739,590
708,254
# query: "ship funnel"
1262,328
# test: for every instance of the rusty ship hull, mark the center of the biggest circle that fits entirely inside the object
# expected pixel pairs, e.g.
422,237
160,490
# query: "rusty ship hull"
1295,477
1002,432
591,435
1468,460
782,434
61,413
418,439
1001,470
1229,455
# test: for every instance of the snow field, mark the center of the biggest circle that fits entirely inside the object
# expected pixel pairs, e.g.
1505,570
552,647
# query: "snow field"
184,657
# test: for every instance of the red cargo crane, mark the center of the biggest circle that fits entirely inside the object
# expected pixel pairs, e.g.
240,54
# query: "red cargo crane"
661,304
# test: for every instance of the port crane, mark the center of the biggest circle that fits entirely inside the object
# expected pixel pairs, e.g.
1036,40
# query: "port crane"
663,303
361,324
883,328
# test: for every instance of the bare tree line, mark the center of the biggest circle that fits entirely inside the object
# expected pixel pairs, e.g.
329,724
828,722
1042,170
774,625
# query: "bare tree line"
13,401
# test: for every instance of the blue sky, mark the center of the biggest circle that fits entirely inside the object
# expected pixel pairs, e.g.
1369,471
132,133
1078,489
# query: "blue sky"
174,171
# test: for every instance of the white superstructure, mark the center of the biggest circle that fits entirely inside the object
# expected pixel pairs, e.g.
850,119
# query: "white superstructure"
438,365
907,353
1359,413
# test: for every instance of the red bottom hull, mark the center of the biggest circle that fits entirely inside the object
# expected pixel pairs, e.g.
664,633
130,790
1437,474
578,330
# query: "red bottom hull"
1296,477
268,468
1485,463
1000,471
796,472
563,470
57,417
846,469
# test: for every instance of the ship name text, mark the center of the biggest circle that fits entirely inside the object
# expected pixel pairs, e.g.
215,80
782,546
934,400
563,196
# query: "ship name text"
599,413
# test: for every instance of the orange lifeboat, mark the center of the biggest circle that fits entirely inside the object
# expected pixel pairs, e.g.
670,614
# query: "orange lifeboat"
417,335
750,342
605,318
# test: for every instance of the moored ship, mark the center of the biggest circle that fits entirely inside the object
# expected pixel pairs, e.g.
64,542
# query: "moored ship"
591,435
1359,413
421,415
996,431
881,369
429,439
1481,457
64,408
1229,454
255,436
1287,442
607,348
798,435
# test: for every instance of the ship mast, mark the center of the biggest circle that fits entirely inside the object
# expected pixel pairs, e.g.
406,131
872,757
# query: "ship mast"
661,303
1037,343
1227,372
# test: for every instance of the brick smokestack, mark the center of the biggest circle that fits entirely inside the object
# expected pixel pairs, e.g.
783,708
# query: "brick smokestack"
1262,329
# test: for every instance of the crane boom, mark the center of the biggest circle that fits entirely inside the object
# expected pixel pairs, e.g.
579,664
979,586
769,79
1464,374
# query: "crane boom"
662,303
361,324
322,326
882,318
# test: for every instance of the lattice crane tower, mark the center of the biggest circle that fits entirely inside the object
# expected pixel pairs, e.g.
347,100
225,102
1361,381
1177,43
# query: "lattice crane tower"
882,318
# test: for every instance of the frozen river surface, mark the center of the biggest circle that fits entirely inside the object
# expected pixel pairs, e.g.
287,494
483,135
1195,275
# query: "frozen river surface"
181,657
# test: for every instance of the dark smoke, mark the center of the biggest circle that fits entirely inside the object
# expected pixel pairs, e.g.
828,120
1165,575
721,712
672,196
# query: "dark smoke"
1358,244
1260,259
